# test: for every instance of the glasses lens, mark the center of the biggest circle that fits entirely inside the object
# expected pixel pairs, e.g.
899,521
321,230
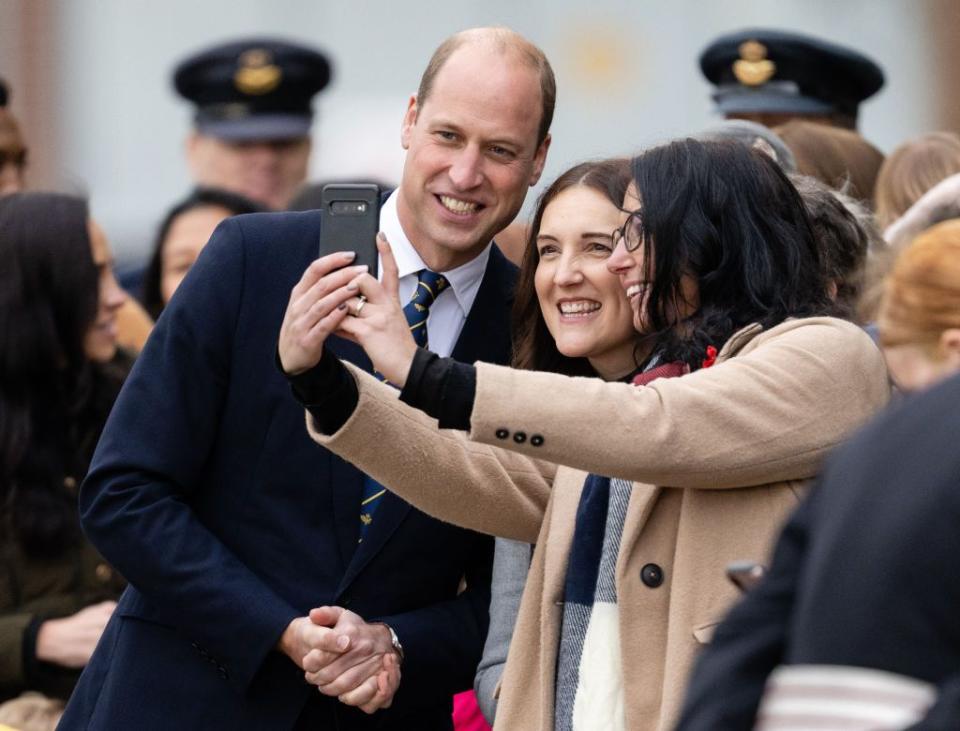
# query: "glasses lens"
633,233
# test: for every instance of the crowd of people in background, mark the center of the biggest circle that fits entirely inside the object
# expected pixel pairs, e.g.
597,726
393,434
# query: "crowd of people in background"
503,480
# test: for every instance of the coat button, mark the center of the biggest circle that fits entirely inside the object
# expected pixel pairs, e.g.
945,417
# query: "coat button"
502,433
651,575
520,437
536,440
103,573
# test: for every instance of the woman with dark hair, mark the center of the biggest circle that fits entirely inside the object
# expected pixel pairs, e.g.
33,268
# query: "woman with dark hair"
184,231
570,316
668,478
59,374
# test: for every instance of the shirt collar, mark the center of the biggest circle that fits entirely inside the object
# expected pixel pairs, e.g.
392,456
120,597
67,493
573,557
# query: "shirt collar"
464,280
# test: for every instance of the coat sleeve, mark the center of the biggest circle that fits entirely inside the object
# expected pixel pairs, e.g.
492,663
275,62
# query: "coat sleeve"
150,464
13,627
770,414
440,471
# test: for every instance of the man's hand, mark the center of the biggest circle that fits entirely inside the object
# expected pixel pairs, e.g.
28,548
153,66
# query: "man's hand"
377,691
381,328
70,641
315,309
364,671
301,637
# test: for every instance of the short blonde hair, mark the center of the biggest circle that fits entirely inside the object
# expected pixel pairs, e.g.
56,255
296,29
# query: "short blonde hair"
921,294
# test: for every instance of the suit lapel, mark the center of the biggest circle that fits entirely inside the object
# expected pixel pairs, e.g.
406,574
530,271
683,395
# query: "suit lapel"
485,336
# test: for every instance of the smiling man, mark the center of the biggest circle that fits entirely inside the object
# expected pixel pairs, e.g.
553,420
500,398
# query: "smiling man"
231,524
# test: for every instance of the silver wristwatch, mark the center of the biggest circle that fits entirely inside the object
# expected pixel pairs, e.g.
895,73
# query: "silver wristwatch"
394,640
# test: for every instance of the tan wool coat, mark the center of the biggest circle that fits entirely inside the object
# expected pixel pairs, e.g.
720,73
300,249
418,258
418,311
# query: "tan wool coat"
718,458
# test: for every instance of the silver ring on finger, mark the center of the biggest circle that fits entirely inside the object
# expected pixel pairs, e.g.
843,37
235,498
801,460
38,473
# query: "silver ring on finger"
362,300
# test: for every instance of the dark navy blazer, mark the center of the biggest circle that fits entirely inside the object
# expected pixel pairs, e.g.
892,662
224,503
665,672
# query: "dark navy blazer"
207,494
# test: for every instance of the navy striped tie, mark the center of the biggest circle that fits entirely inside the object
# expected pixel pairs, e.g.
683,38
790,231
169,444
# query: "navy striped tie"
429,286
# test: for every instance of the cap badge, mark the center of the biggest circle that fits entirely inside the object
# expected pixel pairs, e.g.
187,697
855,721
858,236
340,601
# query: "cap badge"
753,68
257,74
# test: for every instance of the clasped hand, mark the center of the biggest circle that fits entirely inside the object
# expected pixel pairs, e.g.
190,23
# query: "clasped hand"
345,657
333,298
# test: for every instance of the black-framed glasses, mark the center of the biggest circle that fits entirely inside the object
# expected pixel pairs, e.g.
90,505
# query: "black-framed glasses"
631,233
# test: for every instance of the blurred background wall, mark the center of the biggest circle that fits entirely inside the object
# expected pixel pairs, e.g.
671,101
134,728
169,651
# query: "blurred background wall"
91,78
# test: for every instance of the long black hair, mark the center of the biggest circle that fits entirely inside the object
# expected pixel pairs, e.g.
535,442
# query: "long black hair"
726,217
199,198
53,399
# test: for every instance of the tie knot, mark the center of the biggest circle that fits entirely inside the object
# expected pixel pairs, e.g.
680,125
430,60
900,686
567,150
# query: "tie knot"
429,286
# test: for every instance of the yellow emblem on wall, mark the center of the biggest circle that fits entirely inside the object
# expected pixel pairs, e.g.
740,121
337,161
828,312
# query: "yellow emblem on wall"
257,74
753,68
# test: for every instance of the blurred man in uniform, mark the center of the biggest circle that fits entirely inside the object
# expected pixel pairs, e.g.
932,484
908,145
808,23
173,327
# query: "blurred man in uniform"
253,102
771,77
13,150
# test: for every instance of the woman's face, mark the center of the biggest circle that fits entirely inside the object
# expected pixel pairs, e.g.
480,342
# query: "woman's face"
630,268
187,235
914,367
100,343
582,303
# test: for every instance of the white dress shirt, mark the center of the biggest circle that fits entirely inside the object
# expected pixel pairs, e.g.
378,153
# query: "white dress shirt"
449,311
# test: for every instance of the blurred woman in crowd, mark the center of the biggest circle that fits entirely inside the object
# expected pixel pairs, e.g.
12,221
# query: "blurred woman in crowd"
184,232
570,316
919,319
841,158
59,374
744,387
911,170
846,232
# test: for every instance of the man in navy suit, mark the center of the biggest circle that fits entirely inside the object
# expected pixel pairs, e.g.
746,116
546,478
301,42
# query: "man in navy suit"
231,524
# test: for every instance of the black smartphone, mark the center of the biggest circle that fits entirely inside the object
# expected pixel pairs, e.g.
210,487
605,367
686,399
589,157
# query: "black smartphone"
745,574
351,220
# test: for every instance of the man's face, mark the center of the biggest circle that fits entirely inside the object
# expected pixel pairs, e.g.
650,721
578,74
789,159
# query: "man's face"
13,155
266,171
472,153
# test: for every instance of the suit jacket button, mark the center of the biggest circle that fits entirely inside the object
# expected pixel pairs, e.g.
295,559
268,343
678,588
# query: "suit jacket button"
502,433
520,437
103,572
651,575
536,440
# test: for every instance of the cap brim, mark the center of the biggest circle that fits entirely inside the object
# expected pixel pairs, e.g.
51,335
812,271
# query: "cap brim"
257,127
738,100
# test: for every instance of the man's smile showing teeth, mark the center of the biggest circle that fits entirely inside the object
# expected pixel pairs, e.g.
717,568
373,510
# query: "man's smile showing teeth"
455,205
579,307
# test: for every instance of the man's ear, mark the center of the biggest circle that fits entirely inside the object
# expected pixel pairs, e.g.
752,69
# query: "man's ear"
540,159
409,120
